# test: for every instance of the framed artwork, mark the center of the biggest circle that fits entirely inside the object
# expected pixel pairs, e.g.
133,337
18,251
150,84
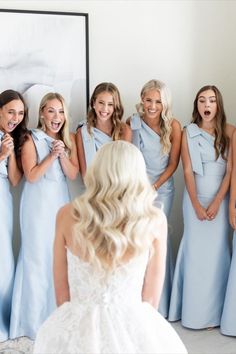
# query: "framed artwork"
43,52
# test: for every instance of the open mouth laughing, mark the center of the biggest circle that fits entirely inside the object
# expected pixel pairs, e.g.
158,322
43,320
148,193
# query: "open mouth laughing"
55,125
11,125
104,114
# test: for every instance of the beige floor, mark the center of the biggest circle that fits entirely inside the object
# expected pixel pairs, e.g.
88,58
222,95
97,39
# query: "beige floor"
205,341
196,341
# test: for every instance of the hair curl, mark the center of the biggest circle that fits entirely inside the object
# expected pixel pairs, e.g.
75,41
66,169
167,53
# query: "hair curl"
115,216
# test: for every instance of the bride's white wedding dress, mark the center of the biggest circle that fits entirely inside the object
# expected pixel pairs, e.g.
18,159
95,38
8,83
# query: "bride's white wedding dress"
106,315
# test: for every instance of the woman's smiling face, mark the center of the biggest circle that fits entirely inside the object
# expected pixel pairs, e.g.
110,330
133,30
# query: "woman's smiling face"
104,106
11,114
53,116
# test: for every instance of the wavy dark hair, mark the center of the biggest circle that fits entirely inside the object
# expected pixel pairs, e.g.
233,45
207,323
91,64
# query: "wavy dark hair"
118,108
221,143
20,133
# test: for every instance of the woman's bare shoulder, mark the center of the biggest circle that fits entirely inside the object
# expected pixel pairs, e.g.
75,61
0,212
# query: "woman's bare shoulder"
230,130
176,124
126,132
66,213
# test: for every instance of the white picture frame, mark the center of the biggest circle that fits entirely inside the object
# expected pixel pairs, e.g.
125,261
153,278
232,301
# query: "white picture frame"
43,51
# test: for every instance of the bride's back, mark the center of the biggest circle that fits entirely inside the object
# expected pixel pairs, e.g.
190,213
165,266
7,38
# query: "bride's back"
91,285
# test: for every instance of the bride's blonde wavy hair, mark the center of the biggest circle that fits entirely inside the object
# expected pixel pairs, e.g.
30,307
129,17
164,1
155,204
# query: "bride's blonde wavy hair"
115,217
166,114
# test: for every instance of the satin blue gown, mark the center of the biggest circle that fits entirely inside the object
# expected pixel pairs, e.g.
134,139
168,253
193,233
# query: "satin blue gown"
148,142
6,252
228,319
203,259
92,142
33,294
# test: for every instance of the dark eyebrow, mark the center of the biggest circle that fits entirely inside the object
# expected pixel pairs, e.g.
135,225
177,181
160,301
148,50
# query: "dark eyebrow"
206,97
103,101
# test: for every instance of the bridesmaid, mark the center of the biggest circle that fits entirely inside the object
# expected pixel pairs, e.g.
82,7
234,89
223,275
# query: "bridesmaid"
103,123
203,259
13,120
158,136
228,320
48,157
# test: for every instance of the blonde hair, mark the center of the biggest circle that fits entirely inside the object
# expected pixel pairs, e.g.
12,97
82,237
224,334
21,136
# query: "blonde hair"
166,114
115,216
64,132
118,108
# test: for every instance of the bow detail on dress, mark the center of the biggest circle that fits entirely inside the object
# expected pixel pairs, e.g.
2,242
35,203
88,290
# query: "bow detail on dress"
193,135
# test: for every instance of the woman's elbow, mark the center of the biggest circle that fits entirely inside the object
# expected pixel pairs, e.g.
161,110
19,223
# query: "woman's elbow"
15,181
188,172
153,301
62,295
31,178
73,174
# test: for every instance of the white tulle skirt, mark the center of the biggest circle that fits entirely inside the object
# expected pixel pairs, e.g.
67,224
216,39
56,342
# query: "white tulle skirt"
96,329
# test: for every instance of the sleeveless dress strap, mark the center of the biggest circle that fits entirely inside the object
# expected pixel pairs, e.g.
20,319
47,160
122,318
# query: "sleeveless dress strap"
89,144
135,124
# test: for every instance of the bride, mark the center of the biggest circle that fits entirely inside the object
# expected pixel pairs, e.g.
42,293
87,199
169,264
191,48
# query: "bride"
109,264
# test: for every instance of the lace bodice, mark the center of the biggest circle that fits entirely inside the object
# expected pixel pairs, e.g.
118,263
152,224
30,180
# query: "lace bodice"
106,315
90,286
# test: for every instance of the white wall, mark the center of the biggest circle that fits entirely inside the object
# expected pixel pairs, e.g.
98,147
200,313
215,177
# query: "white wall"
186,44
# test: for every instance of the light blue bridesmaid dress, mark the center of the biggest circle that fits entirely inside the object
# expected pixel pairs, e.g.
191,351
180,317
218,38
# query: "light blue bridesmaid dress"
92,142
6,253
33,294
228,319
148,142
203,260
